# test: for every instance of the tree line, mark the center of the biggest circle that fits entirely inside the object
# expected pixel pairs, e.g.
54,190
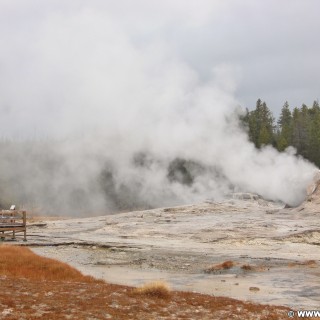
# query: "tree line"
299,128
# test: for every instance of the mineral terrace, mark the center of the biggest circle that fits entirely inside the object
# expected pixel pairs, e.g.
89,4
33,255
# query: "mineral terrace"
274,250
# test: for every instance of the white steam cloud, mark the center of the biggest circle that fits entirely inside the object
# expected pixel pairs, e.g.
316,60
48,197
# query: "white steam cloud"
130,123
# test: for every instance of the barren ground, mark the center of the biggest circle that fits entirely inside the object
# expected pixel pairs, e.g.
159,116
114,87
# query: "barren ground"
275,251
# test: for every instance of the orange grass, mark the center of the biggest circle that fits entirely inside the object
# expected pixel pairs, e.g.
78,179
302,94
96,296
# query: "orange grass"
157,289
222,266
308,263
247,267
21,262
227,264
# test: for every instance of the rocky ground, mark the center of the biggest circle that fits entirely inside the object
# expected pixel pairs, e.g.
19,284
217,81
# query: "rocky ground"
274,250
80,301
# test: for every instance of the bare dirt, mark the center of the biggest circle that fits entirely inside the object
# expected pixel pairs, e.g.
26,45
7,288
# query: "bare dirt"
270,247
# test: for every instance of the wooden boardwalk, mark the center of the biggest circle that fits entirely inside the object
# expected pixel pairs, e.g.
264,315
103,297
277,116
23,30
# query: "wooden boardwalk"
13,222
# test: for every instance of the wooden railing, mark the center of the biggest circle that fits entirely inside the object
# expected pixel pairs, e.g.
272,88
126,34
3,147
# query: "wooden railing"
12,222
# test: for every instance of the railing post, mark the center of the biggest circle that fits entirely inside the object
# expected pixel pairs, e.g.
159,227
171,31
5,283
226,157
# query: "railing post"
24,214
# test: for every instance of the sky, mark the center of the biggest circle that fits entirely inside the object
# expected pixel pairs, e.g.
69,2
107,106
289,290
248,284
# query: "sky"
127,88
270,49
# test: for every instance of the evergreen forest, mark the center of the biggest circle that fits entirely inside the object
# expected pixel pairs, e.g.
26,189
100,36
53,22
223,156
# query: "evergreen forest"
299,128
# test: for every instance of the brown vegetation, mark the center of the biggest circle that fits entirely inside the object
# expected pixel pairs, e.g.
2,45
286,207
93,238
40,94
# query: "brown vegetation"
221,266
308,263
33,287
157,289
255,268
23,263
247,267
254,289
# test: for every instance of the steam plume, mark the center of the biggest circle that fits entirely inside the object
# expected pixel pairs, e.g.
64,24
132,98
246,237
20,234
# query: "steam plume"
130,124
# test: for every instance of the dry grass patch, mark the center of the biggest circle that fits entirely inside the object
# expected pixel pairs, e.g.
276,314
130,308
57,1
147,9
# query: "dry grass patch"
221,266
307,263
21,262
260,268
247,267
157,289
254,289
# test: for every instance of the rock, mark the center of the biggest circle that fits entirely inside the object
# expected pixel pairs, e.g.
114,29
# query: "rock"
312,200
312,188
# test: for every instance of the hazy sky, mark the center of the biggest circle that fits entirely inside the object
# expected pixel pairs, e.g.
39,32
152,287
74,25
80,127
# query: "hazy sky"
55,54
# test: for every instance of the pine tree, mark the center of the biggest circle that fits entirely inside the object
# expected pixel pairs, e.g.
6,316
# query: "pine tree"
260,125
255,123
313,149
266,122
285,122
300,139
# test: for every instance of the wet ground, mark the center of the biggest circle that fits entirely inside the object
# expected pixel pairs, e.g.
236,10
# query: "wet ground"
275,251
